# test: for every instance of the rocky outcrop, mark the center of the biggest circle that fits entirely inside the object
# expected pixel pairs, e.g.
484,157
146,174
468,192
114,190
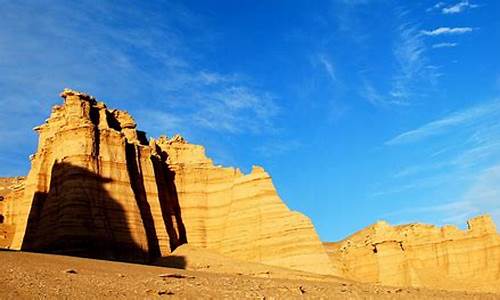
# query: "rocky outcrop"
98,188
423,255
240,215
11,188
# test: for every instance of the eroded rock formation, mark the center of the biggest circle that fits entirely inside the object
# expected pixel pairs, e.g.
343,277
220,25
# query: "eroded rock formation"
10,189
423,255
225,210
98,188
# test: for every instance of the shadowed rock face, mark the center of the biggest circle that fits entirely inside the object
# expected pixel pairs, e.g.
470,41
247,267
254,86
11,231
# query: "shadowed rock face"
98,188
423,255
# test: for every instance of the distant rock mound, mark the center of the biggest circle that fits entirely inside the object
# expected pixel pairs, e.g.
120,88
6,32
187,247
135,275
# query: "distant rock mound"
421,255
11,188
98,188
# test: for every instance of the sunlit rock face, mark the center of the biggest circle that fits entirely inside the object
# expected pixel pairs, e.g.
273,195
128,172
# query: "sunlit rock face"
423,255
241,215
98,188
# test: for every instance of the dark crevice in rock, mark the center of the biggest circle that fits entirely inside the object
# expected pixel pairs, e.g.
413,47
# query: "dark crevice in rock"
95,118
169,202
113,122
137,182
142,137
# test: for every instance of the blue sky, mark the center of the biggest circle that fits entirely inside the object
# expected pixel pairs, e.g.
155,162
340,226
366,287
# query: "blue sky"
360,110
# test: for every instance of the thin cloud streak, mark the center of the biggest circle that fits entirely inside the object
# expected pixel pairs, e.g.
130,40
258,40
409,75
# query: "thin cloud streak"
447,31
458,8
328,66
410,56
442,125
480,198
412,77
444,45
436,6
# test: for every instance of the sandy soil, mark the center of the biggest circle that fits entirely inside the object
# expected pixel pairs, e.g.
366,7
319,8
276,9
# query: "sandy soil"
30,275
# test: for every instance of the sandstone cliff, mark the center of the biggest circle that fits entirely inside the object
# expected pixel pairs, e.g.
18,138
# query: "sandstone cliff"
98,188
10,190
423,255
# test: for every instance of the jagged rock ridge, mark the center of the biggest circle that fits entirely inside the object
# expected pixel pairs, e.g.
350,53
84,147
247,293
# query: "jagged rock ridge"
98,188
422,255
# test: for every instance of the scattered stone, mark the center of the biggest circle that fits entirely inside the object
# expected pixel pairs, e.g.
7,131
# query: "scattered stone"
301,290
163,292
175,275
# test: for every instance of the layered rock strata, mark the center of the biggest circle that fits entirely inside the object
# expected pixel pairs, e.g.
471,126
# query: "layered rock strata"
98,188
423,255
10,189
224,210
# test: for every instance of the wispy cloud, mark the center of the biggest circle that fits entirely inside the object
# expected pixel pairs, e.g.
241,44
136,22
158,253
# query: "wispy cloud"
328,66
444,45
436,6
372,95
458,7
226,109
409,54
447,31
133,56
412,76
278,147
482,197
467,164
442,125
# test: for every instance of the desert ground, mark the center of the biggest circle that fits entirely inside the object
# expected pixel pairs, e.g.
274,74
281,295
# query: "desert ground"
32,275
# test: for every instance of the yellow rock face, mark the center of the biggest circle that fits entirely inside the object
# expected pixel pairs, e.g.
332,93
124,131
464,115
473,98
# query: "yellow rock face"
98,188
423,255
240,215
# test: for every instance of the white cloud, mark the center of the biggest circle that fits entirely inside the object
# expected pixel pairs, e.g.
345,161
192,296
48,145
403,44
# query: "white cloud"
47,53
482,197
131,56
409,54
447,30
436,6
412,76
444,45
328,66
371,94
276,148
410,80
211,78
458,8
469,164
229,109
442,125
